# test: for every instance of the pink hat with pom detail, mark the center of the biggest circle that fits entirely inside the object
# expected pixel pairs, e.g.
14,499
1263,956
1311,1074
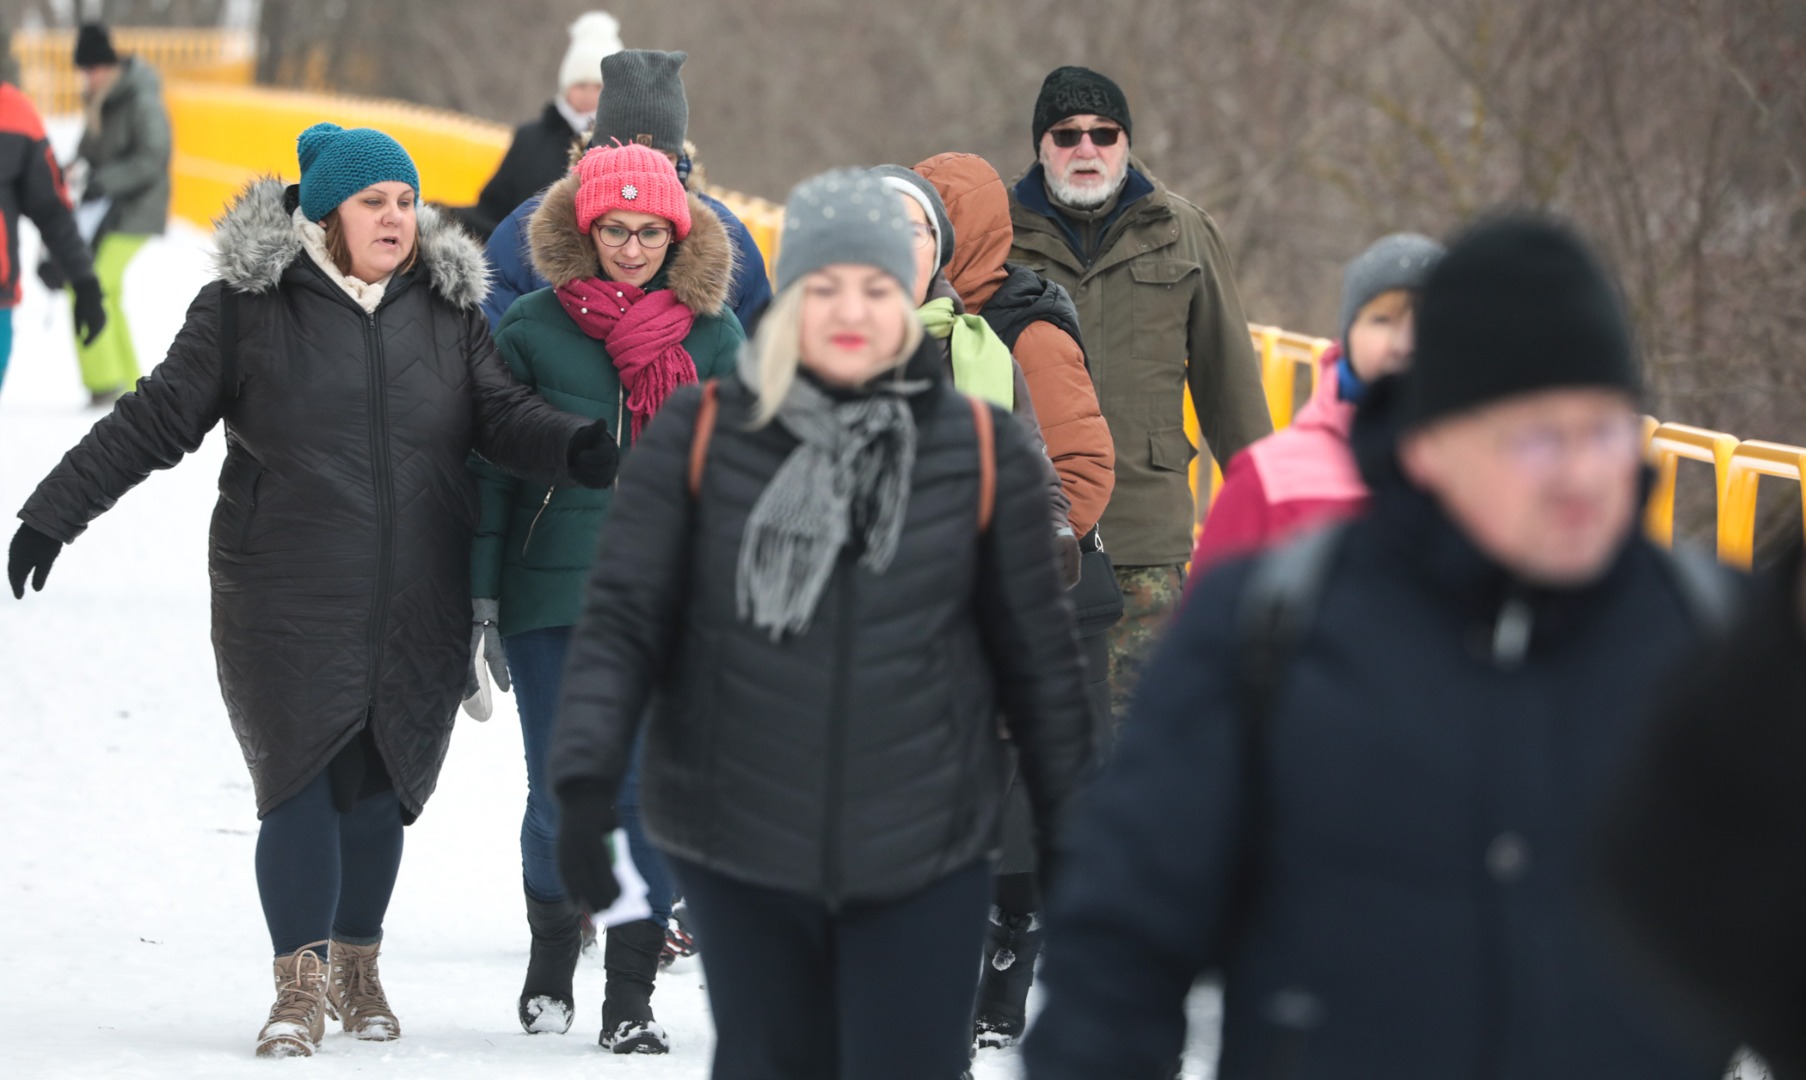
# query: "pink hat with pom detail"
632,177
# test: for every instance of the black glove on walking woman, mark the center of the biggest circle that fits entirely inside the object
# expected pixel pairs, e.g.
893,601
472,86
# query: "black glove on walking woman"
586,820
31,554
90,309
593,456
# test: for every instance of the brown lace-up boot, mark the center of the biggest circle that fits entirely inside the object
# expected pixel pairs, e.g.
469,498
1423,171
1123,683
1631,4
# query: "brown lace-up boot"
354,994
298,1018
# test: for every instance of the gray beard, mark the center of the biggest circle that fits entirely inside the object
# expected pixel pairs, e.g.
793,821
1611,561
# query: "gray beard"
1083,199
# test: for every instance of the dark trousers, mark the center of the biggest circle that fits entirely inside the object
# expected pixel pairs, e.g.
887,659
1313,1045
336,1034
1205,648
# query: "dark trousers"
322,873
536,666
870,992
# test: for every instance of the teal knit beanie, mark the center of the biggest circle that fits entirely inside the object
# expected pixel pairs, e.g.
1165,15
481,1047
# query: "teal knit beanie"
337,164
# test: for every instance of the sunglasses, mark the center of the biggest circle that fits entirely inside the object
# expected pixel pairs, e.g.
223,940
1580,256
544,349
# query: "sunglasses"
652,236
1067,138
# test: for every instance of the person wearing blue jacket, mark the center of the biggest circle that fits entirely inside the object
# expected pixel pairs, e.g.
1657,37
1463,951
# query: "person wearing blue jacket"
1368,803
642,102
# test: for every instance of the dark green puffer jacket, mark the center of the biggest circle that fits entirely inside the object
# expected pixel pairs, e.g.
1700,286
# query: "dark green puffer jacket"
535,544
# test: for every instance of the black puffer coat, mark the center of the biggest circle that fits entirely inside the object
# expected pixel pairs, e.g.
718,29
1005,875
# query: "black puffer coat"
860,760
340,548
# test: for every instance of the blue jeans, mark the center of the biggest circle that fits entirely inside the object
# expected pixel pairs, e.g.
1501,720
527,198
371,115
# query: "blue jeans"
536,664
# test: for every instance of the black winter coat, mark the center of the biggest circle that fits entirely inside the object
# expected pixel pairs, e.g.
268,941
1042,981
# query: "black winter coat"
539,155
340,547
860,760
1426,800
1705,852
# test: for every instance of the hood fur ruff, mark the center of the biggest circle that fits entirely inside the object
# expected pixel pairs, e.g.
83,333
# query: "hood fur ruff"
699,272
255,242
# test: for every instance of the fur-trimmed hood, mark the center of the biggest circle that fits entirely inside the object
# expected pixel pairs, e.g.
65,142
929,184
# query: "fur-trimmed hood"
255,242
699,270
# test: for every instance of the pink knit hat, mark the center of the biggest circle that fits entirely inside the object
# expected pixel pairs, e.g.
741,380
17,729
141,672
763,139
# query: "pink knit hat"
631,177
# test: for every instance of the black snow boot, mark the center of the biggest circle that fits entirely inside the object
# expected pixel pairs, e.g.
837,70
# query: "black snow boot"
630,958
546,1001
1011,944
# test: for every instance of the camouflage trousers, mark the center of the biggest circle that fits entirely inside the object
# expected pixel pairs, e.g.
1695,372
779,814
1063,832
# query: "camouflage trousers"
1150,596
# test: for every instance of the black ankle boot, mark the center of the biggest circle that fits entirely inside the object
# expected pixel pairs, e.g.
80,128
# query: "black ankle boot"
546,1001
1011,944
630,957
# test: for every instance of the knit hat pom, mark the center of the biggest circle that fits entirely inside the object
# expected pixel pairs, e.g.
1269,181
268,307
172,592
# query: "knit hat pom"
310,142
594,35
633,177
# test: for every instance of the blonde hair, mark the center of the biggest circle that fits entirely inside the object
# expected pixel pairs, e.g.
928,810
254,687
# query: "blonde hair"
777,348
340,252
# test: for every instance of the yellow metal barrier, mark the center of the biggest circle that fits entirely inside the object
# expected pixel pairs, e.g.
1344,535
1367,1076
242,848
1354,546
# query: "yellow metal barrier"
47,60
1749,463
1667,445
226,136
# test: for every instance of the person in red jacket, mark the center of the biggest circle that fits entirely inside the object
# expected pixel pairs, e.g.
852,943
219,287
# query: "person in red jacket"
1305,475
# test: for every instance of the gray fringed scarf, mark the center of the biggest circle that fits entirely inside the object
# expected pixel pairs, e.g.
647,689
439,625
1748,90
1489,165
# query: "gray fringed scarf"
851,469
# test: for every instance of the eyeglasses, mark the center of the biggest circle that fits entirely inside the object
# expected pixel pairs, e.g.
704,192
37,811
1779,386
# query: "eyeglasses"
1542,448
922,235
652,236
1067,138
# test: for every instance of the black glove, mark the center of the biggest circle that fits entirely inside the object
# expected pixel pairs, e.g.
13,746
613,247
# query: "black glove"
586,819
593,456
51,274
90,309
31,554
1066,556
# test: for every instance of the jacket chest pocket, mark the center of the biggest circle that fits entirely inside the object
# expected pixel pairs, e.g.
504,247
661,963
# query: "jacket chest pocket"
1162,309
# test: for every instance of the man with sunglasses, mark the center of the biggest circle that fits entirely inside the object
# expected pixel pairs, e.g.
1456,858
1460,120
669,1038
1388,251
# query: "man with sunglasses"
1158,307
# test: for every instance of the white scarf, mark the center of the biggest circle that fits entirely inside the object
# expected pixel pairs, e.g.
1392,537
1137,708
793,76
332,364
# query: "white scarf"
313,238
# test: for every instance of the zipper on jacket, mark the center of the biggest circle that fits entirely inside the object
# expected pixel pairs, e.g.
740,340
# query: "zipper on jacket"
1511,632
382,483
837,738
528,542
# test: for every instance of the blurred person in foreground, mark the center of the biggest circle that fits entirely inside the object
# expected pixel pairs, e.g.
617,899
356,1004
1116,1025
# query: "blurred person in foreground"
816,602
1362,770
1705,850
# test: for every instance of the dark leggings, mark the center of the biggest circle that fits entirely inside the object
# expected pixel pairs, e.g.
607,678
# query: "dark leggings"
878,991
325,874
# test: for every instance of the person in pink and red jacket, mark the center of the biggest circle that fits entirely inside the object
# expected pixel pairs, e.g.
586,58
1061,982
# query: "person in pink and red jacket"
1305,475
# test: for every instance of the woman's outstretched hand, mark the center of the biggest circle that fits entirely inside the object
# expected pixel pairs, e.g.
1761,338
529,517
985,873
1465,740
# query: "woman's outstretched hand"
30,556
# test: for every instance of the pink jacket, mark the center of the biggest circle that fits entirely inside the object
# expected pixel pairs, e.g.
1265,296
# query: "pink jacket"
1302,476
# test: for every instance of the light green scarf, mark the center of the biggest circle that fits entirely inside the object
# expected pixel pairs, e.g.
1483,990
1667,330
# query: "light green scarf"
982,365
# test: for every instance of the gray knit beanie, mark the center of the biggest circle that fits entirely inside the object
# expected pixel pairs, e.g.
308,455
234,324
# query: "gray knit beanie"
845,216
643,101
1399,261
911,185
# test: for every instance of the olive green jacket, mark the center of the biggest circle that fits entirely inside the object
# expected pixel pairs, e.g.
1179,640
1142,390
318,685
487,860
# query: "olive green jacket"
1158,310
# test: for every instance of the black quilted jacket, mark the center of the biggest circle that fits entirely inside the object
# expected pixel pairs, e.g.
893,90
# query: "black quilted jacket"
859,760
340,546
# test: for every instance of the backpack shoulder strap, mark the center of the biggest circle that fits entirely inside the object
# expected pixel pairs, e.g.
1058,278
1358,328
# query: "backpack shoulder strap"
703,433
1708,590
228,343
987,462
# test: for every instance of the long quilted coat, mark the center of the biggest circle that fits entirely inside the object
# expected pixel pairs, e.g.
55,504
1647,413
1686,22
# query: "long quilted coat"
340,546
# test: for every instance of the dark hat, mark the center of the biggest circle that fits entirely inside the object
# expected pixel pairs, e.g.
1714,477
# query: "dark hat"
1519,304
911,185
1399,261
643,101
1076,91
94,46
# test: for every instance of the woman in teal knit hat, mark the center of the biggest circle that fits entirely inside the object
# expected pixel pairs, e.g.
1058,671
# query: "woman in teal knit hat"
344,349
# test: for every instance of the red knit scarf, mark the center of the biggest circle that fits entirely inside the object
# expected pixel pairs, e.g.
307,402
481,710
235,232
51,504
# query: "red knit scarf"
644,333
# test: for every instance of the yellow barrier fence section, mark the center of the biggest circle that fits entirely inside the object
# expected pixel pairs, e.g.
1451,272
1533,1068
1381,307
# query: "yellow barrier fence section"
227,135
47,60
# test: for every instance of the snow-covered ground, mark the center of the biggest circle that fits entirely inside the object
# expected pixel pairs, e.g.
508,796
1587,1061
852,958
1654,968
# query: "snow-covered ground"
132,939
